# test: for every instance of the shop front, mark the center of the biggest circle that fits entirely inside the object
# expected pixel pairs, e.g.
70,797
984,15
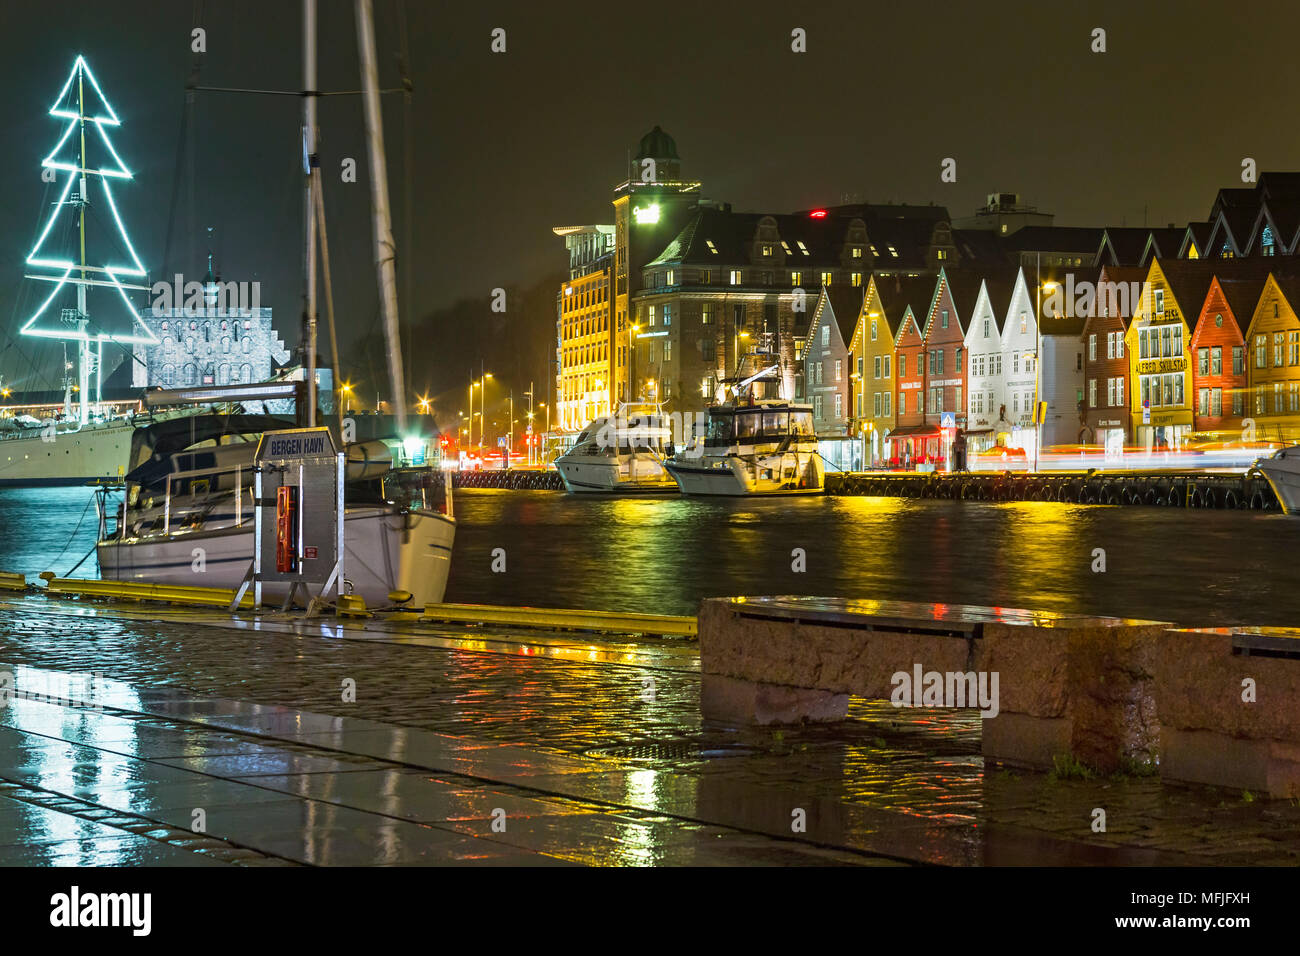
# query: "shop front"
918,447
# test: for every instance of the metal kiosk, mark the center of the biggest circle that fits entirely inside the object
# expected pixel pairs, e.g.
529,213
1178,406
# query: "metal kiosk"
298,516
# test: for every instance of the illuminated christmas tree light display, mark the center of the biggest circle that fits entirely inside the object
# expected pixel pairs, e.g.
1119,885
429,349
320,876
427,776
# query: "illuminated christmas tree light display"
60,255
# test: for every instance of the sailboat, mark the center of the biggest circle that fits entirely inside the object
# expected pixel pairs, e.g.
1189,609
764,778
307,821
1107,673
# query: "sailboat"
187,517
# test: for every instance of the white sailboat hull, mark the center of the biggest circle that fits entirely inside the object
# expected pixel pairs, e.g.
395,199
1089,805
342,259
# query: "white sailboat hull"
385,549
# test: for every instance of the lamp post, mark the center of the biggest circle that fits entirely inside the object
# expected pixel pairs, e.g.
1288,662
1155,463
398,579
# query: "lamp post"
1038,369
630,330
346,389
546,434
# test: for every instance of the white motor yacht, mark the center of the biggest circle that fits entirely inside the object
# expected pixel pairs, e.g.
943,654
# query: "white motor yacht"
1282,471
766,447
619,454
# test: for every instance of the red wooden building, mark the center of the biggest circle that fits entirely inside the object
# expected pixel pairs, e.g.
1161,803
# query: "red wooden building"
1219,354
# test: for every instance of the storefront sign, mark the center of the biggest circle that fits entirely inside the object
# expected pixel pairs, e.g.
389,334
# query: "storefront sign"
1155,366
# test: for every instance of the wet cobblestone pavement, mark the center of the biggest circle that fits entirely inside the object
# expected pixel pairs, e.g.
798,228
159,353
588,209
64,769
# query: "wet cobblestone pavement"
587,750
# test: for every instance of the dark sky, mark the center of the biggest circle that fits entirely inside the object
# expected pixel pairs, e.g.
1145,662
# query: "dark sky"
506,146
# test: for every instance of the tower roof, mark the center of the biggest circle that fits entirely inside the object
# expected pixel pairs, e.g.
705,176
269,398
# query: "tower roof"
657,144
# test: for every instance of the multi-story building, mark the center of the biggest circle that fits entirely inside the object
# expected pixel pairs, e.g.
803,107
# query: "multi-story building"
1273,339
986,385
732,293
1105,363
828,369
884,306
1218,348
1158,343
584,355
945,337
913,439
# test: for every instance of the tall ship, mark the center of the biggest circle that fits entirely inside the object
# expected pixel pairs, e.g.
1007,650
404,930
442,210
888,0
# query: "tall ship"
619,454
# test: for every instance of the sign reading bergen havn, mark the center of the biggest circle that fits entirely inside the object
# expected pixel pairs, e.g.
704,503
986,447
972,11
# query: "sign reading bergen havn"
298,445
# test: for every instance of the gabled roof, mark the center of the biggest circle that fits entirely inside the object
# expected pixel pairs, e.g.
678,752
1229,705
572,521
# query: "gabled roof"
1122,245
896,293
964,287
1242,295
1282,217
1189,281
915,295
1279,185
1162,244
845,302
1000,286
1118,274
1198,233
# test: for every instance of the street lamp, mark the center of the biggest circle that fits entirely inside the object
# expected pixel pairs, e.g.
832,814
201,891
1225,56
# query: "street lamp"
346,389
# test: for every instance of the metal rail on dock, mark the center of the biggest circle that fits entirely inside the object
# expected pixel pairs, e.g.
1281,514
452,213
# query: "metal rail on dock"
610,621
144,591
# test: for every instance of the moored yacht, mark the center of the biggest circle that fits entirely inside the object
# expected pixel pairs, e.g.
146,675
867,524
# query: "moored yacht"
620,454
765,447
188,515
1282,471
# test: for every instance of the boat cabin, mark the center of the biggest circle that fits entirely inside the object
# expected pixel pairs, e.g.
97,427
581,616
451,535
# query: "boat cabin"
753,424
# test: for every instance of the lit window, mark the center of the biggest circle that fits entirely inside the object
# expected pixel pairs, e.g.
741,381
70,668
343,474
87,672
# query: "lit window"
735,276
712,248
802,247
893,252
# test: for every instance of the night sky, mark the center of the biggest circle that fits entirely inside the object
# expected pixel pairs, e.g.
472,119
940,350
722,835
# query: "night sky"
505,146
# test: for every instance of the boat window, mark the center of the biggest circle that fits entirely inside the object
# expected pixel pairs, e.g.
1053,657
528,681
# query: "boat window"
801,423
776,424
747,425
721,430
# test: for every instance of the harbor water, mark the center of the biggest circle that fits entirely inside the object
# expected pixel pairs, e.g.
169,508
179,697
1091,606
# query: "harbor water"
664,554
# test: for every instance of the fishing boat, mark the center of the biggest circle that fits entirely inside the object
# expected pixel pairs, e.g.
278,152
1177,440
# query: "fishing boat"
187,517
619,454
763,447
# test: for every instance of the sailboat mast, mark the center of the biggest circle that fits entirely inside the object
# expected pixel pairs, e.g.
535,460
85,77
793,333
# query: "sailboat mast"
385,247
311,169
83,370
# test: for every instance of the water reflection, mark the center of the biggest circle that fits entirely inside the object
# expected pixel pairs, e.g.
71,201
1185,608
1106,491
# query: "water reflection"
666,554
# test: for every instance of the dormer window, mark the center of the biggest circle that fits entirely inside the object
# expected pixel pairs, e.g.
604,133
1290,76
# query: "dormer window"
802,247
892,251
712,248
767,250
786,246
857,252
